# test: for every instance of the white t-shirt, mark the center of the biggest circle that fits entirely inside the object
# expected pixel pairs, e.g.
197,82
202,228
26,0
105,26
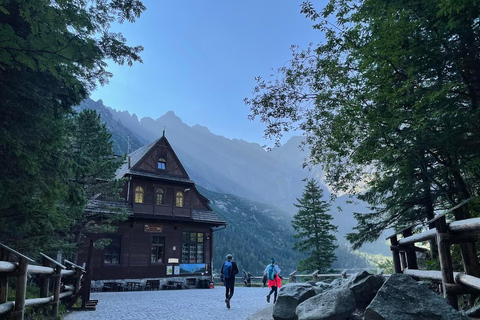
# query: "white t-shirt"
277,269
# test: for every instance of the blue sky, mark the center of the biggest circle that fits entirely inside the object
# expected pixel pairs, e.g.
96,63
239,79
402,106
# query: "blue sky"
201,57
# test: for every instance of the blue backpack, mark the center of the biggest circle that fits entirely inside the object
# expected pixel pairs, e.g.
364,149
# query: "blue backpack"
271,272
227,269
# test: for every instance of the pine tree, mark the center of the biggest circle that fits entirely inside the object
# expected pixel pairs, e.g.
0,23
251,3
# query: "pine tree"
314,229
92,165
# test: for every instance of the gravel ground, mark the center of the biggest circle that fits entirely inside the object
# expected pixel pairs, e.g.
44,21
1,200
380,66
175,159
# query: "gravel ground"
178,304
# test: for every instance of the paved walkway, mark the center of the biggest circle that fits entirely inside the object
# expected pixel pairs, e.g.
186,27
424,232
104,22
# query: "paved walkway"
189,304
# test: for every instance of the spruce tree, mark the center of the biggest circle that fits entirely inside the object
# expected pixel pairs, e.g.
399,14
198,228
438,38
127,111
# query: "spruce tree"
314,230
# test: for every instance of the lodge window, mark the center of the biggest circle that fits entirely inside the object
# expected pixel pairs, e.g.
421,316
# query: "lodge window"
158,249
179,199
159,196
112,251
161,164
139,195
192,247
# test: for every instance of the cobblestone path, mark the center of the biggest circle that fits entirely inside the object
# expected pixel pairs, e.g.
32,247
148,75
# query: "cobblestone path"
192,304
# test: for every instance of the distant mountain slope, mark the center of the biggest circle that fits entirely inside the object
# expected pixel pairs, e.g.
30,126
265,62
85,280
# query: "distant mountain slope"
225,165
123,138
233,167
255,233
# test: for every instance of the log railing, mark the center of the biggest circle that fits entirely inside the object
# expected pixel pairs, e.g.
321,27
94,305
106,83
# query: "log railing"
292,277
16,265
315,276
444,235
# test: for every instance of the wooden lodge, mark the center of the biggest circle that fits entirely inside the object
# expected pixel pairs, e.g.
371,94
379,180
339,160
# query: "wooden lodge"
170,226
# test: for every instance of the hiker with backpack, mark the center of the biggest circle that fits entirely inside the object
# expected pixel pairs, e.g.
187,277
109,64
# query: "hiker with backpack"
228,271
272,271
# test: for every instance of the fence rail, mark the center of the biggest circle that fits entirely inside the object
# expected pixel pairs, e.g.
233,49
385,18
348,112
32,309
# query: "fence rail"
292,278
24,266
443,234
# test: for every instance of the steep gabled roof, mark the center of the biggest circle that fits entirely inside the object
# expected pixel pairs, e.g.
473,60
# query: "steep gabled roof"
136,157
129,168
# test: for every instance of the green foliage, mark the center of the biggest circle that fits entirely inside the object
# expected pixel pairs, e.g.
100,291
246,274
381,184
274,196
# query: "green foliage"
386,265
69,40
346,258
389,104
51,54
314,229
124,141
93,166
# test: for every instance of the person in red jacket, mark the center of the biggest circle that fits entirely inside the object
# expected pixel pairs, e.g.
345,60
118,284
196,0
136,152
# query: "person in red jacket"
272,273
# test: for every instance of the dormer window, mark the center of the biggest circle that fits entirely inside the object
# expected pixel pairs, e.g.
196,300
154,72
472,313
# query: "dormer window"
161,164
179,199
139,195
159,196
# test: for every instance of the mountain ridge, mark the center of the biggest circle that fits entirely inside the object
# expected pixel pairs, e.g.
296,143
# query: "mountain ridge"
234,167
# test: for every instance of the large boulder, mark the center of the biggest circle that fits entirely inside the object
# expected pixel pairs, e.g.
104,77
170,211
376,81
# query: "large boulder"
402,298
363,285
365,288
289,297
334,304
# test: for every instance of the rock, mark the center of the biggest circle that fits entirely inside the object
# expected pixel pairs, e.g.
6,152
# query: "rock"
357,314
365,289
319,287
334,304
402,298
363,285
263,314
355,278
337,283
289,297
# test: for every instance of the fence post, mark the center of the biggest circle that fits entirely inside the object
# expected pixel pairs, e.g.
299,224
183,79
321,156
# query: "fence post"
395,254
56,291
410,250
78,280
315,276
445,257
4,256
45,281
88,276
403,259
292,278
19,311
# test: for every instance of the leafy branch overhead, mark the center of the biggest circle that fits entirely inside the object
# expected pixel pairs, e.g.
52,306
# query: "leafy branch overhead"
388,103
68,39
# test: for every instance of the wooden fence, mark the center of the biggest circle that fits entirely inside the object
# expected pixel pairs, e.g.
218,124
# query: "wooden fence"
442,234
292,277
15,265
316,276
